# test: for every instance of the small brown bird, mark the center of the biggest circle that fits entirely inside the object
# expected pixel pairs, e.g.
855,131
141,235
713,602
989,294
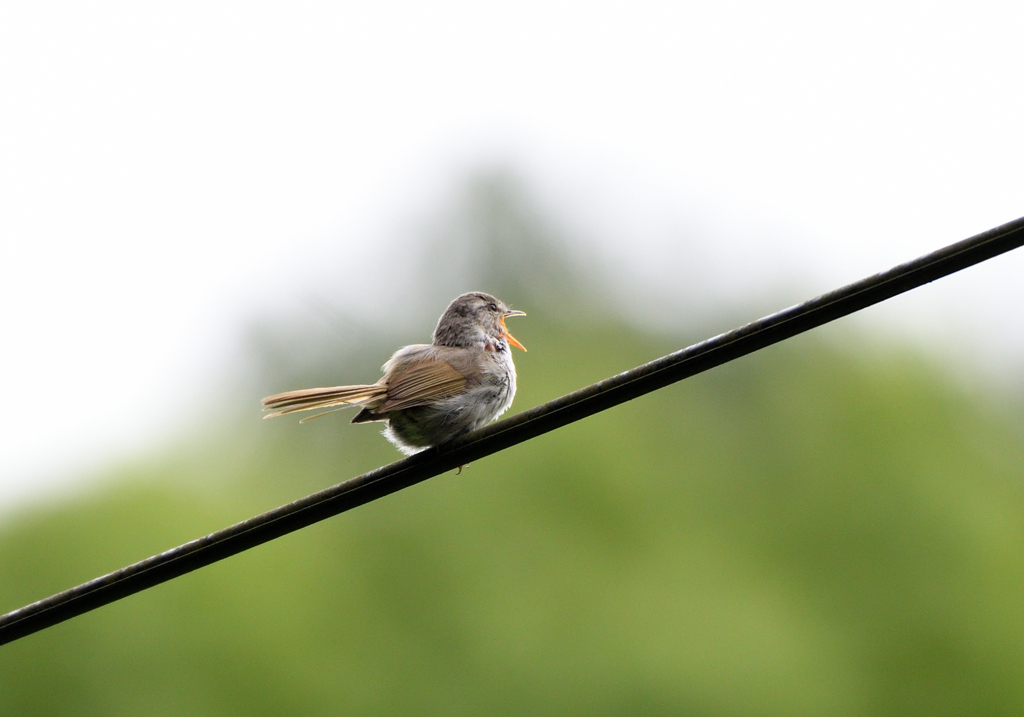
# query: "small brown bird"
432,393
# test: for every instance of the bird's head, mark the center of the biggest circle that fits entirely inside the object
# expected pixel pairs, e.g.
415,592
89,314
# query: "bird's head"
475,319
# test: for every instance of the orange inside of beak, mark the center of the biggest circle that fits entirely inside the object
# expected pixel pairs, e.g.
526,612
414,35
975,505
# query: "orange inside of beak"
509,337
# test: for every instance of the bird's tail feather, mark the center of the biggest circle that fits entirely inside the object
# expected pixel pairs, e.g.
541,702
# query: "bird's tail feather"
334,398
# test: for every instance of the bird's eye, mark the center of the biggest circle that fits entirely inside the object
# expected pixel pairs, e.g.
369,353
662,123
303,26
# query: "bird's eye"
492,307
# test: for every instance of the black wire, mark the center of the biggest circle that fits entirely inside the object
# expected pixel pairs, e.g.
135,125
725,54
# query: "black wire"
509,432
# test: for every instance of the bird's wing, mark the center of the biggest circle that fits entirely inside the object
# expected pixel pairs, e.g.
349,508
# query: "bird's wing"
420,383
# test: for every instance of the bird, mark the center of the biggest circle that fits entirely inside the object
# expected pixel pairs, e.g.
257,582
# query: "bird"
430,393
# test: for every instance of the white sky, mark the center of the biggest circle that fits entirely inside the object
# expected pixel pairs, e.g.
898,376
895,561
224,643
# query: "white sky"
169,169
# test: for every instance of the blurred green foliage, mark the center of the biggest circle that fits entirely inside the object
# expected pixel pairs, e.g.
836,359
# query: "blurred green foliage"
806,531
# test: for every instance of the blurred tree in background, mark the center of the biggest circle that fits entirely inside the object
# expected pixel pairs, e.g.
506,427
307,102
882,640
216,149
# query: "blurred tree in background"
806,531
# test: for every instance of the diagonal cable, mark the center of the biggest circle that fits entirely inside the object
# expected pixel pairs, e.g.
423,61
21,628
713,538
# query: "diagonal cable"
509,432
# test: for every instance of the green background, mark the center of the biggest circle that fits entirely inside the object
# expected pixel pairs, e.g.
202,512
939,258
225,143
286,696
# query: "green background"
833,526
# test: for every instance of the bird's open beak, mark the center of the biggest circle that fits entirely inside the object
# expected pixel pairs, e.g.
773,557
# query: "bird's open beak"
512,339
